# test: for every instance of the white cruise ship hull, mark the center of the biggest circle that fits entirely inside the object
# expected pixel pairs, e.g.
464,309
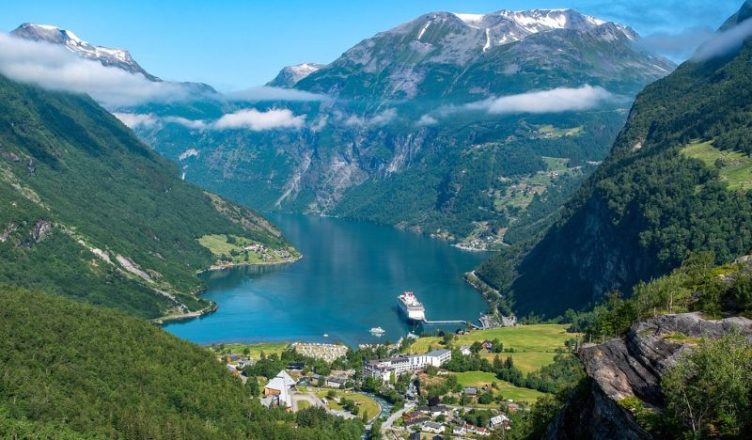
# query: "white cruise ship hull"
413,314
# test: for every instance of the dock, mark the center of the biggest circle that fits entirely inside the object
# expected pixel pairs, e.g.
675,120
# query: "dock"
448,321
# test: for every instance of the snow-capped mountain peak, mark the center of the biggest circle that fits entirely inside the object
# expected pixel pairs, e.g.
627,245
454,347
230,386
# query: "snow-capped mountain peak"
107,56
291,75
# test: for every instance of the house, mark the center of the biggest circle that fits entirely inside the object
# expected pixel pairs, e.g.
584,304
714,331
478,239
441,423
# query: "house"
488,345
434,427
335,382
435,410
459,430
477,430
414,418
296,366
278,391
414,436
470,391
513,407
465,350
500,420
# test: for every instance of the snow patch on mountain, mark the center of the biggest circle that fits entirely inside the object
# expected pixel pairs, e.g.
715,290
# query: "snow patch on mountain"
107,56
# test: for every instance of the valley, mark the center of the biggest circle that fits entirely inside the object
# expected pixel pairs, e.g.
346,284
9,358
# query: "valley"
514,225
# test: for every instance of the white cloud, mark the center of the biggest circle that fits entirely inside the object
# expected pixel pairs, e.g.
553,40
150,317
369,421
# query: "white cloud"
557,100
255,120
133,120
384,117
197,124
378,119
427,120
266,93
55,68
725,42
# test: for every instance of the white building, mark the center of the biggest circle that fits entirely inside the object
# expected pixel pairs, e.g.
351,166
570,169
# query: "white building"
384,368
278,391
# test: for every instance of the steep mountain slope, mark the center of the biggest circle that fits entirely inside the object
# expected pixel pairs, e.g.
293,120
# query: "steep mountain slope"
428,126
119,58
73,371
677,181
291,75
90,212
445,55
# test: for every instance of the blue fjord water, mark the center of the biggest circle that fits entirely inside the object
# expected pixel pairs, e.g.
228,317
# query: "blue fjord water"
347,283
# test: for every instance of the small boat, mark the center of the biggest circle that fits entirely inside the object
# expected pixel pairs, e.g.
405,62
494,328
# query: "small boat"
377,331
326,335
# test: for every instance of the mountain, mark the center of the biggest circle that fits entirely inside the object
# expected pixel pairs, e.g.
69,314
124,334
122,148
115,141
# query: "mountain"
74,371
291,75
444,55
92,213
677,181
108,57
119,58
413,129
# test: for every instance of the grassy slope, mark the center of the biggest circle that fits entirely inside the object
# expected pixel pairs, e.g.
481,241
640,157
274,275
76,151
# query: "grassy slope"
479,379
75,369
734,168
534,345
67,161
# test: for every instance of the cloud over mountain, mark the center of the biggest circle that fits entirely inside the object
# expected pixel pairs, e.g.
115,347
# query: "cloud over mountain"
53,67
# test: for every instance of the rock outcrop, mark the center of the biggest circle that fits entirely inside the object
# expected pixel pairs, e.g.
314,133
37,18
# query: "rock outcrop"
631,367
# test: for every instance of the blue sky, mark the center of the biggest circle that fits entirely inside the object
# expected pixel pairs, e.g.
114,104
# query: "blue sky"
234,44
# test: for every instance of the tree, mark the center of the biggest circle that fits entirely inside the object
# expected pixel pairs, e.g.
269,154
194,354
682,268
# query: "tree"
476,347
709,389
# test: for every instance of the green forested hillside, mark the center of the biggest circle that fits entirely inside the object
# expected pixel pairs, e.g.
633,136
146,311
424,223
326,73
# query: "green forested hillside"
88,211
73,371
650,204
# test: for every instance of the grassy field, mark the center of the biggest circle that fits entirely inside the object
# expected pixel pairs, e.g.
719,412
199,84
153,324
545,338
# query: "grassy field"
224,246
735,168
479,378
534,345
366,404
255,350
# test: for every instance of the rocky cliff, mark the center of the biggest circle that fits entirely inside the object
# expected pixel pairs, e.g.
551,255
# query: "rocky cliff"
631,368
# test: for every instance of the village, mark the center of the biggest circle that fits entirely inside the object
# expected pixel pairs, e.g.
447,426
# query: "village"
420,388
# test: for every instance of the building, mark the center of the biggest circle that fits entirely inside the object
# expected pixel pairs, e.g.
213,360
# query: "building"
435,358
465,350
470,391
414,418
383,369
335,382
278,391
500,420
436,428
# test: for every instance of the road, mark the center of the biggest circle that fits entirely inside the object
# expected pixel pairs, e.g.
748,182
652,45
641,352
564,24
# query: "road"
392,418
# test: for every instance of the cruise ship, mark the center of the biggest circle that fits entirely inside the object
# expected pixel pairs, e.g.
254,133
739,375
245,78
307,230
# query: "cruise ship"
411,307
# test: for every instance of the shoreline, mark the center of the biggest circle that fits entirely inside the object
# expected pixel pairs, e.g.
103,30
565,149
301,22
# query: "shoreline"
162,320
213,307
215,268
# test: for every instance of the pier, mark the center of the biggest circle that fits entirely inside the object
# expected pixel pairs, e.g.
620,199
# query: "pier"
448,321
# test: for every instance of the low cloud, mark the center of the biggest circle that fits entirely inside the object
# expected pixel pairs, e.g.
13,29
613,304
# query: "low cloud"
427,120
53,67
252,119
724,43
557,100
378,119
247,119
197,124
266,93
133,120
676,46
